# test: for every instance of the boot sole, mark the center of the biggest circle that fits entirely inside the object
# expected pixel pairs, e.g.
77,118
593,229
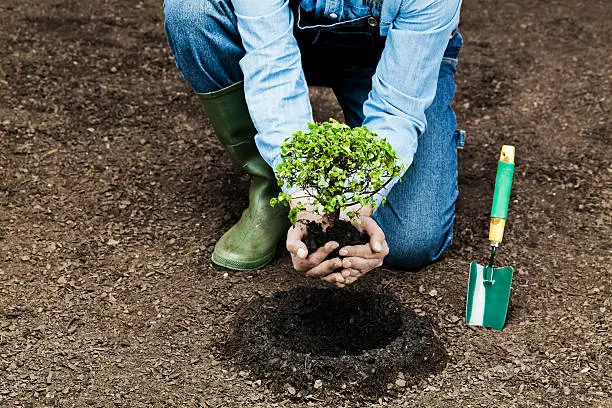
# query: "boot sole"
236,265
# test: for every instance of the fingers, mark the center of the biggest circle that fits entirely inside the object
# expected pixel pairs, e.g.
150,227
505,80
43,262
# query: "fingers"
343,278
301,264
320,254
355,267
361,264
365,251
299,252
335,278
351,279
360,259
377,236
294,241
325,268
376,248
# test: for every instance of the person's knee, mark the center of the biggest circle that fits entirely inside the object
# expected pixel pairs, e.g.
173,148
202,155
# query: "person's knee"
185,20
179,13
417,249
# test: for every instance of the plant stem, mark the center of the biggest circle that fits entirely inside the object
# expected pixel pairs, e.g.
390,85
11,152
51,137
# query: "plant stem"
328,220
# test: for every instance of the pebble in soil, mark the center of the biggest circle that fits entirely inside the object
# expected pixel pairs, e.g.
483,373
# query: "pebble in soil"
333,342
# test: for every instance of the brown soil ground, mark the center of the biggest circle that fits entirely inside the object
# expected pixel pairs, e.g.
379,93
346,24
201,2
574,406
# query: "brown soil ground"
113,190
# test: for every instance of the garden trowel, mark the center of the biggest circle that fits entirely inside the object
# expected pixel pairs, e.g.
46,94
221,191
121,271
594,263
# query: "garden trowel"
489,287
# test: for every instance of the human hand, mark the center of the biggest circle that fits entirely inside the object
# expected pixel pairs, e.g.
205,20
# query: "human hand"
313,265
361,259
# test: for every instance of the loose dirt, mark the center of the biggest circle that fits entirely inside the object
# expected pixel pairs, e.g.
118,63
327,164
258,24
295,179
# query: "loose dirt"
113,191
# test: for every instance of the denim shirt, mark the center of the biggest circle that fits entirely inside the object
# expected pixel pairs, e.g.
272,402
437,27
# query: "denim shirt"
403,85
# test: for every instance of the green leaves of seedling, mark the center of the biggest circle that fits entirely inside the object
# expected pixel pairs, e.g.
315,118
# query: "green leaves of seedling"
336,167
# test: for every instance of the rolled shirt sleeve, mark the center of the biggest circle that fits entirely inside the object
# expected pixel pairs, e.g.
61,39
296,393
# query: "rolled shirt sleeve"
275,87
405,81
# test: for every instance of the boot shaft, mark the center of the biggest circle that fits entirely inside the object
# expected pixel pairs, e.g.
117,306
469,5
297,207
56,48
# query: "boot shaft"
229,114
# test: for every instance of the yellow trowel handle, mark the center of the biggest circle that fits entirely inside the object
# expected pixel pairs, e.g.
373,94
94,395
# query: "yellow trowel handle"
501,195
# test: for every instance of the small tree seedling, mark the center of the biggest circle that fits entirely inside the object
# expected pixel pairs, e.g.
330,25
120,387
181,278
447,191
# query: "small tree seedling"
336,167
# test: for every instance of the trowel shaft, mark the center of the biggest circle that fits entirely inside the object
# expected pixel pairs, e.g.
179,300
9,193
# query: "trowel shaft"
492,257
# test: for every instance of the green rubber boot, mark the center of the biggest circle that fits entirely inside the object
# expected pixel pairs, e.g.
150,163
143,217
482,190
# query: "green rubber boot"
251,243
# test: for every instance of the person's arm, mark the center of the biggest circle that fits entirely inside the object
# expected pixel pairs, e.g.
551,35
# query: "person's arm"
403,87
277,96
274,83
405,81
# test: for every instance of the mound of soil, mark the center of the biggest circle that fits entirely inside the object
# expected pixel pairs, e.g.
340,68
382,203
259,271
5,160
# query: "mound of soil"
313,341
343,232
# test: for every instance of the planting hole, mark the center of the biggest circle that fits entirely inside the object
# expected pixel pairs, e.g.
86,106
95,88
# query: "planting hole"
334,323
352,342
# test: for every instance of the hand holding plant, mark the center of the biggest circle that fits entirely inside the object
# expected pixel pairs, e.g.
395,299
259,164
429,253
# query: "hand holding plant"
335,168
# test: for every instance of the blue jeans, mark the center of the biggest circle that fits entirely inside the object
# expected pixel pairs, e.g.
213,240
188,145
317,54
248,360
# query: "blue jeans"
418,216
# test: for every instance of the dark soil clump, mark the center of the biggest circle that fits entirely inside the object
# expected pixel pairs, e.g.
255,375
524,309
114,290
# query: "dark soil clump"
353,342
343,232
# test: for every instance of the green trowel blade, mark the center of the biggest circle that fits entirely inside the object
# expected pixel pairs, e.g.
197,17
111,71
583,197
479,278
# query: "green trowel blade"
488,296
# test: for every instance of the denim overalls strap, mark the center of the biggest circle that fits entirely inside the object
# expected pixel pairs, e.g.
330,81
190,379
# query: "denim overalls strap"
364,17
